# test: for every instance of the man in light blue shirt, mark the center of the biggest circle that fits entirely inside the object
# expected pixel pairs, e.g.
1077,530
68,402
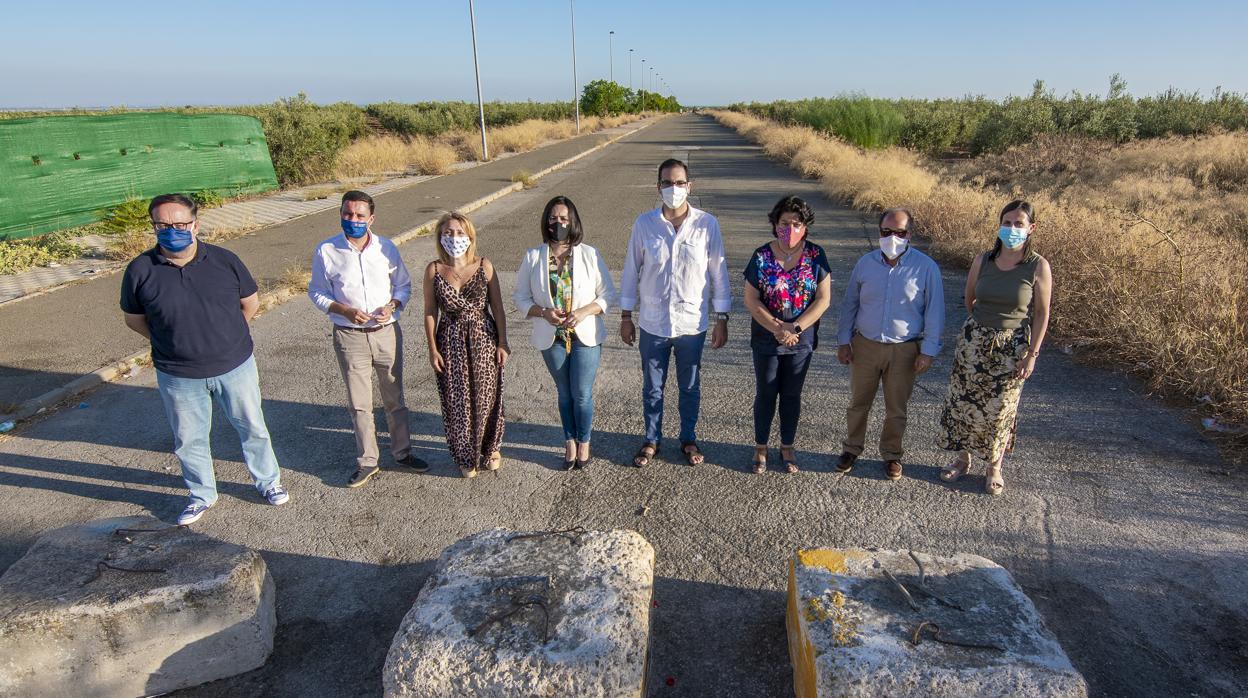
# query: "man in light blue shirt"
891,317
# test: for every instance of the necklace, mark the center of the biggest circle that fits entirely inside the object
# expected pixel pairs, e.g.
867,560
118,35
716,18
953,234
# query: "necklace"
788,258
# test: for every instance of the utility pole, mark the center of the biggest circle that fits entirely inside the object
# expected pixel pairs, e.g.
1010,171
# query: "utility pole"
476,66
576,99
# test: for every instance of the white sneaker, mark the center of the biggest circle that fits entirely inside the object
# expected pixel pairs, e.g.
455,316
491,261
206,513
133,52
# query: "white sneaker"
277,495
191,513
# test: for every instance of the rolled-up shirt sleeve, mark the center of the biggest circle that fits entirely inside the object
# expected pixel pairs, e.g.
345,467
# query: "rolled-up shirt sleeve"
400,279
319,288
631,277
721,290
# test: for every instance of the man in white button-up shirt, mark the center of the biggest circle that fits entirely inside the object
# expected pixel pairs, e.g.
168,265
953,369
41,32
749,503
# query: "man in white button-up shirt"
360,281
674,277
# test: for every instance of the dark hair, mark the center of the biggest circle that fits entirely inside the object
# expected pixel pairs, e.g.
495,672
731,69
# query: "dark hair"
791,204
890,211
673,162
574,221
181,199
355,195
1026,208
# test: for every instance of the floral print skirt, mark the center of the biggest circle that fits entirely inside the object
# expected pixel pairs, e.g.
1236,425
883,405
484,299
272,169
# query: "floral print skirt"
981,409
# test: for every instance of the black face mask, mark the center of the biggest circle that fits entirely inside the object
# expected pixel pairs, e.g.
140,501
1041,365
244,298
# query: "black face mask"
558,231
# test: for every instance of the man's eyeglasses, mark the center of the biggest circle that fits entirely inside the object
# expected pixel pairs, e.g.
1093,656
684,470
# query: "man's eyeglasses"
159,225
885,232
665,183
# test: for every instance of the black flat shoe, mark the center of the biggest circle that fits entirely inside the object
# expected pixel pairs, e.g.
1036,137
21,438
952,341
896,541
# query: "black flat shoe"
580,464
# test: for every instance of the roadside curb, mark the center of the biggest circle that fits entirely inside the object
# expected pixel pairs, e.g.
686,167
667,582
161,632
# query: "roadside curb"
125,366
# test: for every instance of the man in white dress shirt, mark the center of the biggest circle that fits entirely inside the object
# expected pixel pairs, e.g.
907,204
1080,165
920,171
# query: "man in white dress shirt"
674,277
360,281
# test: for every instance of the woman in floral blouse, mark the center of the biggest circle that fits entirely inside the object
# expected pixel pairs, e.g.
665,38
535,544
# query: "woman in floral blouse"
789,287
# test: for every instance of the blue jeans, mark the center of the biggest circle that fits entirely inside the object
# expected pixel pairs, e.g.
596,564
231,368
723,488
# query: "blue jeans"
574,375
188,404
778,377
655,357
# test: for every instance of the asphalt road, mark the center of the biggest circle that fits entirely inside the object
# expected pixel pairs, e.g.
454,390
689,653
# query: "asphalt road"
1117,519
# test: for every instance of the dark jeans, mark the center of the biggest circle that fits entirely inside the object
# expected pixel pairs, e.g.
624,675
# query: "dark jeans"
778,377
656,355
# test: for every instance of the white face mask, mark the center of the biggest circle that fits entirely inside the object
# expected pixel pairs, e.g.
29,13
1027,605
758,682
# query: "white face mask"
674,197
456,245
892,246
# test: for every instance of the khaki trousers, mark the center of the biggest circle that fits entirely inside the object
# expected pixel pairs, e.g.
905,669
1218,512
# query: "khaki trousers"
894,364
360,356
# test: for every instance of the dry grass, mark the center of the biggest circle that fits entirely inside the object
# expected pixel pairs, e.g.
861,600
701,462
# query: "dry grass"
524,178
376,155
1130,232
126,246
526,135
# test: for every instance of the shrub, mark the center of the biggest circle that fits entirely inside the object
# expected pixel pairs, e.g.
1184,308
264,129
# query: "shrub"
305,139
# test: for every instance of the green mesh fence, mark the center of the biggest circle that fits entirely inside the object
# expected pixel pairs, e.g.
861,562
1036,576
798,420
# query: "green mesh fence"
58,172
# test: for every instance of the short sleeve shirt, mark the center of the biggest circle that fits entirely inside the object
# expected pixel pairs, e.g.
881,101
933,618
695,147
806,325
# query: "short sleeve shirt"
786,294
192,311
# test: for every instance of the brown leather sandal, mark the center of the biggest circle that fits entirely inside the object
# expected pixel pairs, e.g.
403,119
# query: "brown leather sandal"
645,454
692,456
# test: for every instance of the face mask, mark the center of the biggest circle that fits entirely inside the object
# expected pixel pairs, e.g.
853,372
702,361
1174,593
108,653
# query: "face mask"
456,245
892,246
1012,237
354,229
674,197
558,231
789,236
173,239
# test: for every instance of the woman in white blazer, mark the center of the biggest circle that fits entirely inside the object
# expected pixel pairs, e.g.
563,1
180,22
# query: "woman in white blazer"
564,286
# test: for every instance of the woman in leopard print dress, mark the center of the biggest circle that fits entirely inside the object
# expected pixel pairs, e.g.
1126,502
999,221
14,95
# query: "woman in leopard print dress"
467,335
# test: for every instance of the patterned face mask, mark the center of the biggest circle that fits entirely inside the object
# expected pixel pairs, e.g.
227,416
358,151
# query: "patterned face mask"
456,245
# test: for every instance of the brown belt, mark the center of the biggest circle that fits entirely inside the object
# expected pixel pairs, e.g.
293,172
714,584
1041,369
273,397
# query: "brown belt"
362,329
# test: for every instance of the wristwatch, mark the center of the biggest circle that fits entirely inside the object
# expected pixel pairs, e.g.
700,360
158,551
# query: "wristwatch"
722,317
797,328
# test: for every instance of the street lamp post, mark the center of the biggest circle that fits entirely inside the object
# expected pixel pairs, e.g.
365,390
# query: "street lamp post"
630,70
643,84
576,101
611,69
476,66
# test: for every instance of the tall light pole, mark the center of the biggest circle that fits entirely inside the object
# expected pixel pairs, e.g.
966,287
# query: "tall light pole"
611,43
476,66
630,69
643,85
576,101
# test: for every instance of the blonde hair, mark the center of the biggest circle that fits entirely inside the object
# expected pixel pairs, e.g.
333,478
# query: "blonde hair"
469,228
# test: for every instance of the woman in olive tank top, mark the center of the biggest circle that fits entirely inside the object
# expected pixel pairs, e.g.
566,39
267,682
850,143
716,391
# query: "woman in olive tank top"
1007,293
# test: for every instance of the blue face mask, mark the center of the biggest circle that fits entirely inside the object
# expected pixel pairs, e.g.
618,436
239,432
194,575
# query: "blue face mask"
173,239
1012,237
354,229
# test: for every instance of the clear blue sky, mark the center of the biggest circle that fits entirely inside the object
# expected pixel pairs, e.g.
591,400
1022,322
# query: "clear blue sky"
74,52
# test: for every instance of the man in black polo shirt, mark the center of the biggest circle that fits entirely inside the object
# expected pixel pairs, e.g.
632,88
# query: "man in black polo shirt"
193,301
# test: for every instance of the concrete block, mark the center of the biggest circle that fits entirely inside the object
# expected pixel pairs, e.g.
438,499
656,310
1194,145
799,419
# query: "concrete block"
72,626
521,614
852,632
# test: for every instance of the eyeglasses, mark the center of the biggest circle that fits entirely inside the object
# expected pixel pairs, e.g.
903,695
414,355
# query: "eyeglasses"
665,183
885,232
179,225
